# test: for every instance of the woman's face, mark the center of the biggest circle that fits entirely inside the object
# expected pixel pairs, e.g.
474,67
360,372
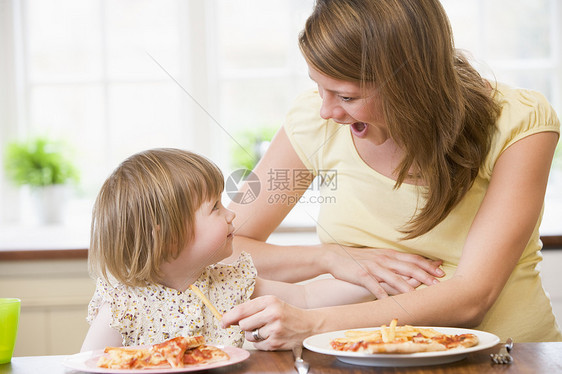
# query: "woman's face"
345,102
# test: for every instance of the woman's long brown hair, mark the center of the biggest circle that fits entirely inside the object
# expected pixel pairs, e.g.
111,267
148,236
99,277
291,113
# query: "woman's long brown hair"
437,107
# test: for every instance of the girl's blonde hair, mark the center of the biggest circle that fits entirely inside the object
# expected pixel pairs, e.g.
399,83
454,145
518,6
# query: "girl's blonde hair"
437,107
144,214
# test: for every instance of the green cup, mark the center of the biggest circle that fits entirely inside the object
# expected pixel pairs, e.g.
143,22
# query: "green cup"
9,319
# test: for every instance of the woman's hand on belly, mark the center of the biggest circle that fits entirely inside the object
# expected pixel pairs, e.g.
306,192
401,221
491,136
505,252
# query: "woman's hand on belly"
381,271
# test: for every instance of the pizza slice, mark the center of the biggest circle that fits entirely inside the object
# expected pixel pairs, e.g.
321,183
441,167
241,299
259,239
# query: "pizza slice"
402,339
456,341
175,353
204,354
124,358
174,349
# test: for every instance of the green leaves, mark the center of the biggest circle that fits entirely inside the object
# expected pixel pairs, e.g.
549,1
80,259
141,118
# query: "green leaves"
247,151
39,162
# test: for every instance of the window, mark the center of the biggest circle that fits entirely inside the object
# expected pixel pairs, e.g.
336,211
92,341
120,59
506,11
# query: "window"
115,77
88,78
260,71
259,68
86,73
520,43
517,42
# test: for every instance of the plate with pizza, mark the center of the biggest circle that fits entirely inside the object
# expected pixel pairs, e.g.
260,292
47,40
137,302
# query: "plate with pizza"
177,355
395,345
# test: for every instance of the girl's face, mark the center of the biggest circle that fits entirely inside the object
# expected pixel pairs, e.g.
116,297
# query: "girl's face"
211,243
345,102
213,234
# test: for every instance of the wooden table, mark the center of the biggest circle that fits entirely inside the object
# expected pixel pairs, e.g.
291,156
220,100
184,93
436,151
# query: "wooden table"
528,358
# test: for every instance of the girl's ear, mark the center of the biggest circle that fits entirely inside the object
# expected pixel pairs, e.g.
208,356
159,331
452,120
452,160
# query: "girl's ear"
155,233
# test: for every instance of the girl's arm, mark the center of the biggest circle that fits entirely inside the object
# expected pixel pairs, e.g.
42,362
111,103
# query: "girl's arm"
313,294
100,335
496,240
255,221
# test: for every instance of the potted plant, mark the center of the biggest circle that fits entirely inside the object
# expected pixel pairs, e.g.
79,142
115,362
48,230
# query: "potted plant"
251,145
46,167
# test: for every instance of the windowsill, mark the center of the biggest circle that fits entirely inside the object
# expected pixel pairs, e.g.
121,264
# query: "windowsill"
34,242
63,242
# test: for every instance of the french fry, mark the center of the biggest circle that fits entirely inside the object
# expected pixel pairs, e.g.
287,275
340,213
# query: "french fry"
206,301
429,333
384,334
392,328
390,333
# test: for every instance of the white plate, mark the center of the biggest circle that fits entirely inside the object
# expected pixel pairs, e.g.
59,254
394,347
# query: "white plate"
321,343
86,361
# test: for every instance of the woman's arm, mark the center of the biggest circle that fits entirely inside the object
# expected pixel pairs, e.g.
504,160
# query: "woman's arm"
255,221
496,240
100,335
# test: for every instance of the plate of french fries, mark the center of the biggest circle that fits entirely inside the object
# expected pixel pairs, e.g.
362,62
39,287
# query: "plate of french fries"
324,343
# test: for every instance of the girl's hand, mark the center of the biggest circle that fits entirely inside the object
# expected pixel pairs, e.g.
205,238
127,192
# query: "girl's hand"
282,325
370,267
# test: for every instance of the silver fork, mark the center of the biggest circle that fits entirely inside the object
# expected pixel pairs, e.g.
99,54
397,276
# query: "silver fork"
503,356
301,365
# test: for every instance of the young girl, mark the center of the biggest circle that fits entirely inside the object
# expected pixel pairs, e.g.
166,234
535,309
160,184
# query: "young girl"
158,226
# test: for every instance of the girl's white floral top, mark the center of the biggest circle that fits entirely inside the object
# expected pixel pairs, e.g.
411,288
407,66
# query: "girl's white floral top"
153,314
